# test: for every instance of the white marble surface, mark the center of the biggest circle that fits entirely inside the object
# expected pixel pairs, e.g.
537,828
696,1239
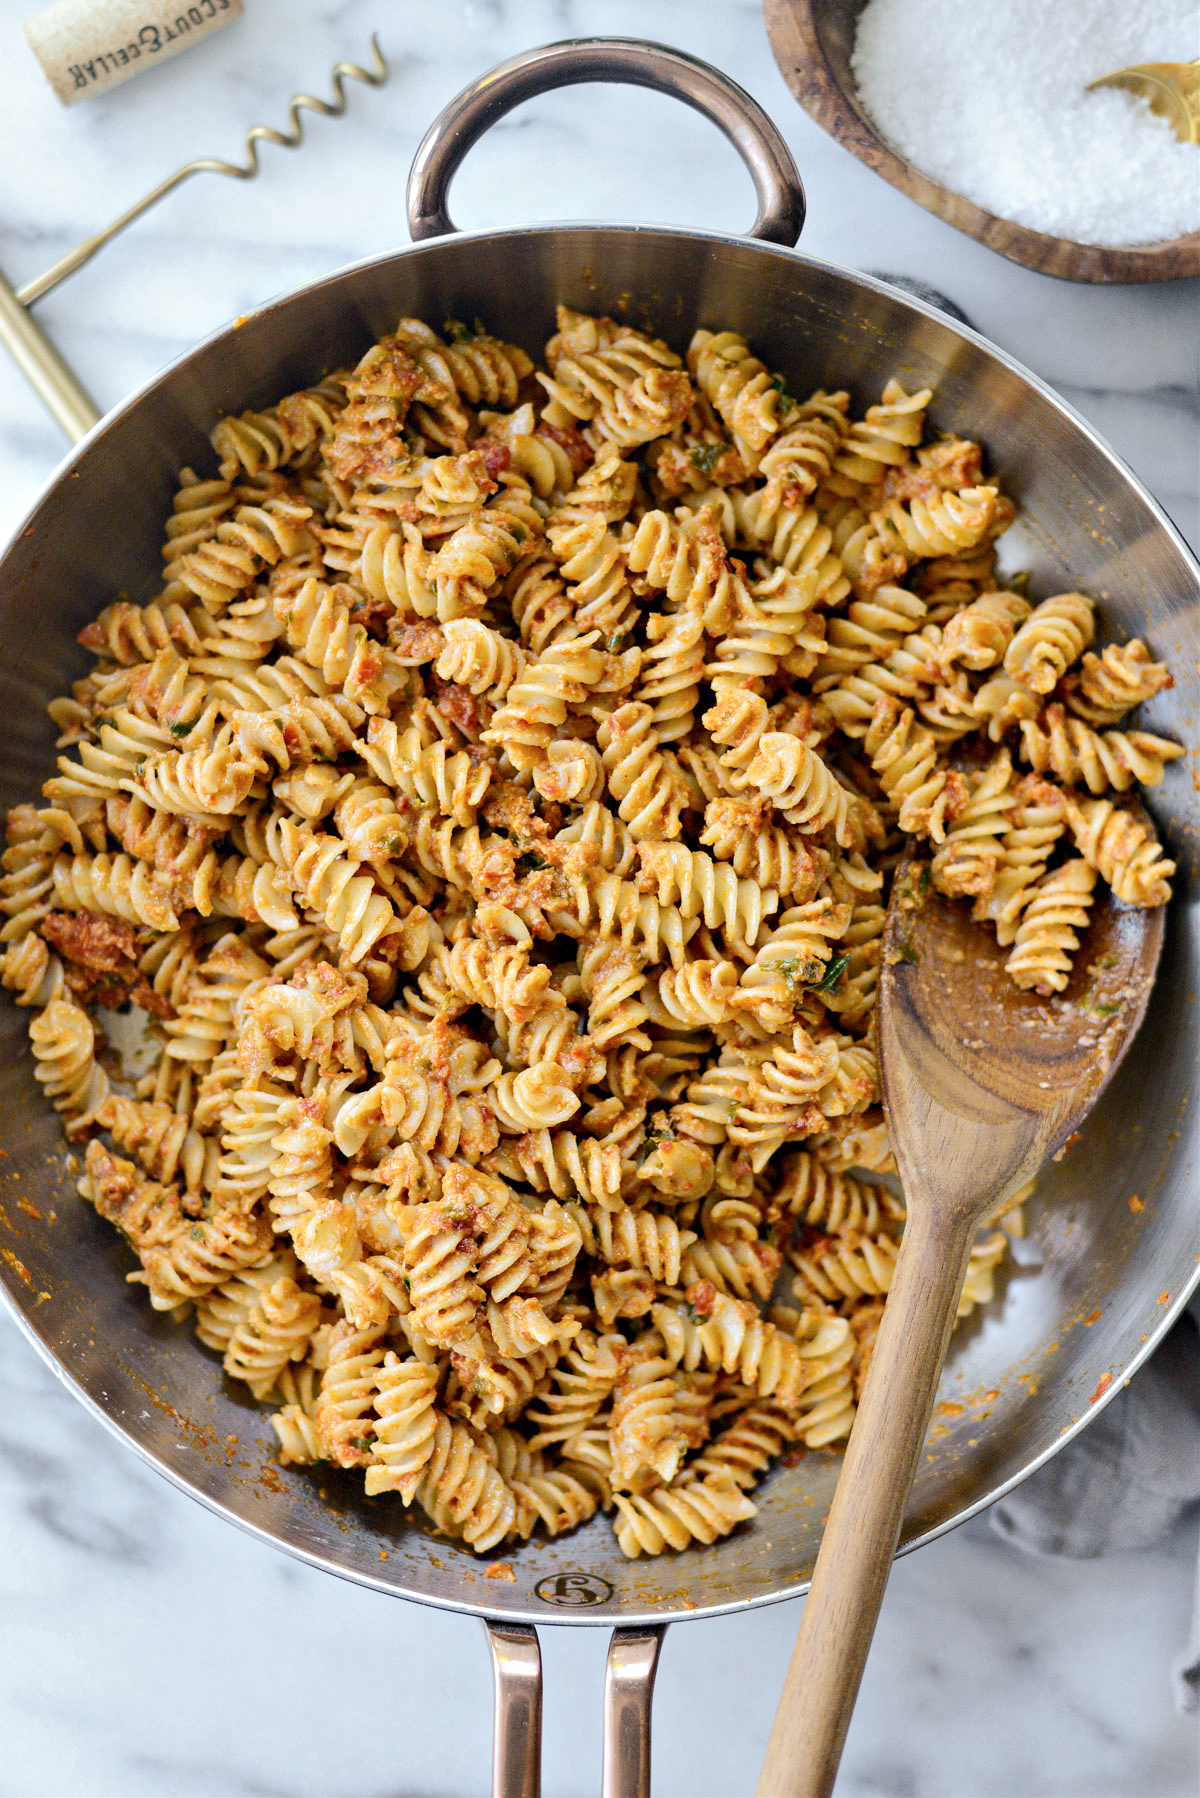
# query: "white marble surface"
150,1649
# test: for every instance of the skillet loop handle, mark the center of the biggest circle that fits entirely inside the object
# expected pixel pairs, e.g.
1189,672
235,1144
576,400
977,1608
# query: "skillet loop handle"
517,1728
517,1725
460,124
628,1694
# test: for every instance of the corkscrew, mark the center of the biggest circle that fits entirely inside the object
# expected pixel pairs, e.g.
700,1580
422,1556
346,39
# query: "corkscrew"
37,357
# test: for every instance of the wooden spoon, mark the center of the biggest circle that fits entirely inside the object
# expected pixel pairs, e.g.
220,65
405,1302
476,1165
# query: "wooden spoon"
982,1083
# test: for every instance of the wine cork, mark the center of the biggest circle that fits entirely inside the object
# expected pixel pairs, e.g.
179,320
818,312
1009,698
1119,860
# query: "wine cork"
87,46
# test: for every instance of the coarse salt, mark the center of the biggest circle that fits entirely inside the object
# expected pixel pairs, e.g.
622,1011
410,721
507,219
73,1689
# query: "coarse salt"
989,100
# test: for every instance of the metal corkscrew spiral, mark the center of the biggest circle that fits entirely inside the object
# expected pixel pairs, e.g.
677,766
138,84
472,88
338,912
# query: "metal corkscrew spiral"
289,139
28,344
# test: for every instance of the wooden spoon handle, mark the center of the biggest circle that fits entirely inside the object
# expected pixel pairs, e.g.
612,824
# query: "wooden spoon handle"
868,1508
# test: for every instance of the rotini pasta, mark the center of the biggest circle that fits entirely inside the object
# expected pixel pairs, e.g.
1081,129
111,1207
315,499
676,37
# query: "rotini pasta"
1046,937
493,819
1055,635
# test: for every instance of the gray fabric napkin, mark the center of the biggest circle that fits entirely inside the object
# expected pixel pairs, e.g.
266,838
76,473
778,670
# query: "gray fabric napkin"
1125,1481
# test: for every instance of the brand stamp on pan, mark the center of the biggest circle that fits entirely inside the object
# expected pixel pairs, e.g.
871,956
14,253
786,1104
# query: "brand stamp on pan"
573,1589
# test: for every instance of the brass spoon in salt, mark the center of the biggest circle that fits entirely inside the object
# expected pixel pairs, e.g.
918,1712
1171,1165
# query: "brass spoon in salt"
1171,89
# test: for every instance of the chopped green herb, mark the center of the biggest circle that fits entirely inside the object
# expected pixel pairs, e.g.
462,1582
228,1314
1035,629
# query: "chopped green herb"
797,976
832,975
657,1133
181,730
616,643
455,330
788,970
906,954
778,383
1019,583
911,886
705,456
529,863
1104,1009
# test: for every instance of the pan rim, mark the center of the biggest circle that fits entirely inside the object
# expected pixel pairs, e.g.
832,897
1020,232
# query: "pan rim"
722,239
610,1613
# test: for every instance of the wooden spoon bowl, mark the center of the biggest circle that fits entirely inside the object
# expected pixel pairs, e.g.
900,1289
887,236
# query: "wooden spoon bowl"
982,1082
962,1048
813,41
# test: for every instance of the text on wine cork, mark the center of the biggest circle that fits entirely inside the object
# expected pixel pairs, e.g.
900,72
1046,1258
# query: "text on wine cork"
86,46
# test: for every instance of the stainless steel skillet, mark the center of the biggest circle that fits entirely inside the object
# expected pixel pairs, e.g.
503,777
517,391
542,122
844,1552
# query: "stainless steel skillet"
1084,1307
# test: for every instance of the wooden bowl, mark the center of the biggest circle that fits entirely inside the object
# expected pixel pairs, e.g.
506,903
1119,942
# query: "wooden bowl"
813,41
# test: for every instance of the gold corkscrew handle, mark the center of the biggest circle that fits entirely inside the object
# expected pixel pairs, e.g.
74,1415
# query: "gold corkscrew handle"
37,357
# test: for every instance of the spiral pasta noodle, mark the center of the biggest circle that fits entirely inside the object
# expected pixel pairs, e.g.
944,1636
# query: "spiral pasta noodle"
1122,851
1105,687
1046,938
881,440
632,387
1053,637
1101,760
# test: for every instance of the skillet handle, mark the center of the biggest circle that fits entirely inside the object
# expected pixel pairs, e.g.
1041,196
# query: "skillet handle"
517,1726
517,1718
44,368
460,124
628,1694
